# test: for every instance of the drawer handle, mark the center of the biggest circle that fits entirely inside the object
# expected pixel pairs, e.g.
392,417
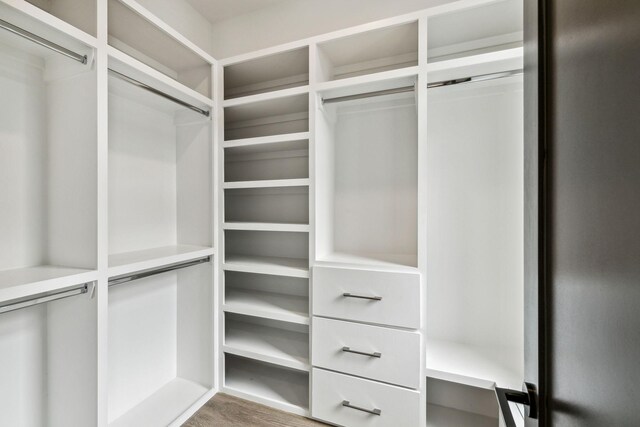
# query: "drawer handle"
348,350
350,295
374,411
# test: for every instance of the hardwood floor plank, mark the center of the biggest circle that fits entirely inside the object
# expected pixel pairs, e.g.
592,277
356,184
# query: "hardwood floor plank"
229,411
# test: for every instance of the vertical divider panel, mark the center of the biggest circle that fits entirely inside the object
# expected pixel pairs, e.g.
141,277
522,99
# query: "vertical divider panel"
313,79
218,118
421,110
102,292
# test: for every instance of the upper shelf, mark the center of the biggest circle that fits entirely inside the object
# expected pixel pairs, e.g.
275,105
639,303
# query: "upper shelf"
33,20
140,34
369,52
471,31
476,65
279,71
132,68
81,16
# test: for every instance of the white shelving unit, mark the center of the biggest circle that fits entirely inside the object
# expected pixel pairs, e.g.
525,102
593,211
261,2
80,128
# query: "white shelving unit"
101,178
167,213
266,225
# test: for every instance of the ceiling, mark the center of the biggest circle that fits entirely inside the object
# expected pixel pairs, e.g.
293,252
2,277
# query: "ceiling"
218,10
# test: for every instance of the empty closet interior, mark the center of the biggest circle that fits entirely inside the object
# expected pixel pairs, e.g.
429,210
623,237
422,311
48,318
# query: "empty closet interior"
332,227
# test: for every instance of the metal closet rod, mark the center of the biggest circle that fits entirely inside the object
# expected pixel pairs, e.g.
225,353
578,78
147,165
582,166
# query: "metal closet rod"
44,298
478,78
157,92
141,275
43,42
369,94
472,79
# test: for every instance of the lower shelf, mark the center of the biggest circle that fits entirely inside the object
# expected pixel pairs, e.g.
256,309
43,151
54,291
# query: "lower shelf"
472,365
24,282
270,305
440,416
164,406
267,384
269,344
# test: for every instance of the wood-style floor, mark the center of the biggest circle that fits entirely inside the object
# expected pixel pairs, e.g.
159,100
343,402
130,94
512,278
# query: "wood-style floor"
228,411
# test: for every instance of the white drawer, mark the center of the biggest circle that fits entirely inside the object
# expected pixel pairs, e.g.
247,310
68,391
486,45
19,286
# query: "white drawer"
386,298
338,345
331,391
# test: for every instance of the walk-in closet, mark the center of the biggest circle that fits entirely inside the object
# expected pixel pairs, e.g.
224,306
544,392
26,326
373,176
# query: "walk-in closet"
332,226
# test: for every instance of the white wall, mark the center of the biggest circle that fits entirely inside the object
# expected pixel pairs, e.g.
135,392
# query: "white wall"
185,19
297,19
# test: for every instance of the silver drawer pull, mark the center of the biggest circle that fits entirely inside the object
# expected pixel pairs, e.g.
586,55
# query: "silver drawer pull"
350,295
348,350
374,411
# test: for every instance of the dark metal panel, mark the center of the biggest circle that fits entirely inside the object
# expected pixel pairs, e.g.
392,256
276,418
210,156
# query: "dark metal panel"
593,246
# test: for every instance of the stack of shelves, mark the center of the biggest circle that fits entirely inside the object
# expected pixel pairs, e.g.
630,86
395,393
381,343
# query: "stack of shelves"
266,228
160,181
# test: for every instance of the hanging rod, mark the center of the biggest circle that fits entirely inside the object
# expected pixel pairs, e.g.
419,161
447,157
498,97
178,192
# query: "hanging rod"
472,79
44,298
43,42
369,94
157,92
141,275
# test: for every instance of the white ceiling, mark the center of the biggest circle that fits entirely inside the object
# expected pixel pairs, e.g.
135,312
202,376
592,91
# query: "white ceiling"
218,10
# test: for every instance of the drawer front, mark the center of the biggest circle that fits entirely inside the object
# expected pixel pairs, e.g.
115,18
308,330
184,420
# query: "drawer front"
391,355
332,391
385,298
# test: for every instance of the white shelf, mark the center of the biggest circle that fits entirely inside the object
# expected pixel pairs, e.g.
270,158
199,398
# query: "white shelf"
441,416
267,226
268,96
385,262
28,281
278,387
303,182
471,365
268,305
475,65
369,83
128,262
164,406
32,18
263,142
131,67
272,345
278,266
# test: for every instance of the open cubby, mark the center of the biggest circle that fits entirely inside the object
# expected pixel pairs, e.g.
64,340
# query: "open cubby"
475,221
265,118
160,346
471,31
133,34
159,175
374,51
48,158
268,73
79,13
290,248
367,177
267,296
271,384
284,160
48,364
271,205
280,343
